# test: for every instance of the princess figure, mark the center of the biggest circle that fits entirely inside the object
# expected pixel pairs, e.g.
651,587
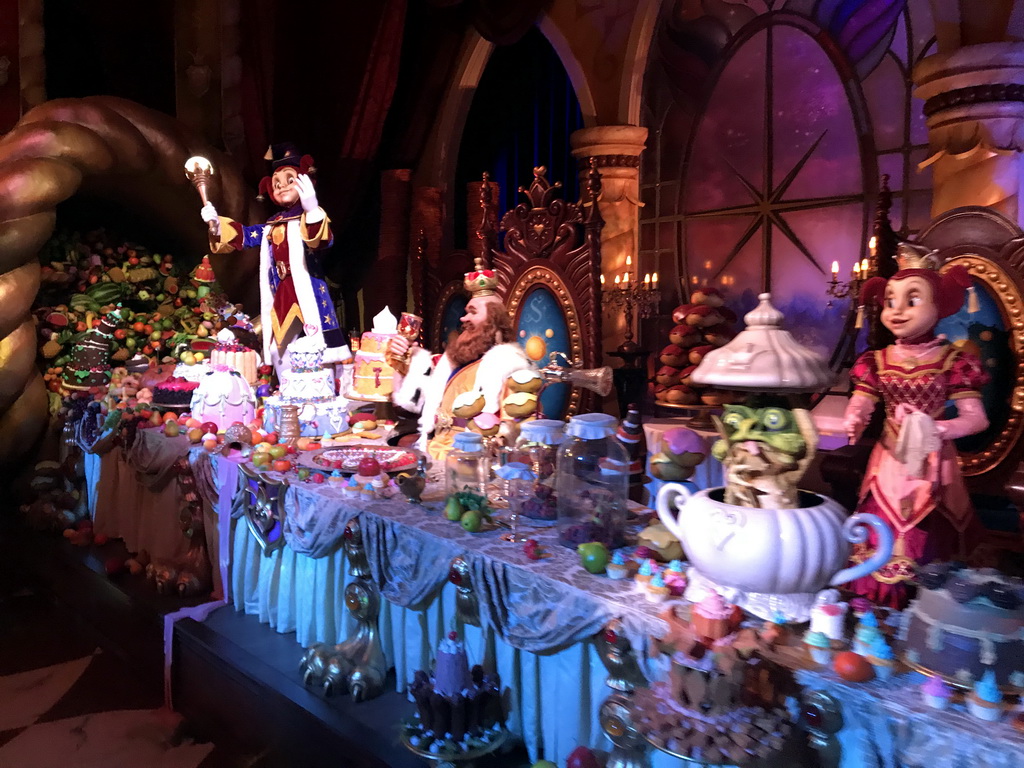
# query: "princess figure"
913,480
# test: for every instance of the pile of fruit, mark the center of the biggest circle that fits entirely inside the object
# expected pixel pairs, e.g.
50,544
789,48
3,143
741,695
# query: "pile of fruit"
84,278
468,509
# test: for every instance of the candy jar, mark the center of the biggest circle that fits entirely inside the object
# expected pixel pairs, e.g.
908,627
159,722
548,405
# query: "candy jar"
537,447
467,467
592,483
519,479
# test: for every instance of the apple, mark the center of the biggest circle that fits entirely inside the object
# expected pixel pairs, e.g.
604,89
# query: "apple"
193,423
261,459
281,465
303,443
278,451
171,429
593,556
257,438
209,426
195,434
369,467
270,437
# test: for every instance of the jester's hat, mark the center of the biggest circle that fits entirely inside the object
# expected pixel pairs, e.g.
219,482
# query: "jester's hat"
284,155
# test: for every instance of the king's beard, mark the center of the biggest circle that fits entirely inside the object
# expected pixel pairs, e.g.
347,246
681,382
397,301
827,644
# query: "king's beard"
472,343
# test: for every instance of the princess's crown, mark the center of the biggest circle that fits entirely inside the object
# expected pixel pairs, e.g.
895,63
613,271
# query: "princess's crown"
481,282
914,256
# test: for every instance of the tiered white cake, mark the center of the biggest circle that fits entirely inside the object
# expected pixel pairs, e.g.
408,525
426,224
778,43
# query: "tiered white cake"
309,385
308,381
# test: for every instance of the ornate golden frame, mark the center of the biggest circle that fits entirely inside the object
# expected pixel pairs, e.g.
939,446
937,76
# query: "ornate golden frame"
446,295
550,280
1011,307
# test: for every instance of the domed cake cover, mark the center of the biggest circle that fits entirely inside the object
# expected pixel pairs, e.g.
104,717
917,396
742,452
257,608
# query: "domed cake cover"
764,357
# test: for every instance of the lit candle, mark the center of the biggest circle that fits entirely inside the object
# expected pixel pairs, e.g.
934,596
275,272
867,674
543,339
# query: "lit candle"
616,279
629,260
835,268
602,279
625,277
856,269
654,279
872,243
647,280
864,266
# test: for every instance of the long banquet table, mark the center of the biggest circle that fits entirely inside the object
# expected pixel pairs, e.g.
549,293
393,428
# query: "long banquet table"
537,618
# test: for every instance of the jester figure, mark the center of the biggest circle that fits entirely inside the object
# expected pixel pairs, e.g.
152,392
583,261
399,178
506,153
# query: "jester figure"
294,299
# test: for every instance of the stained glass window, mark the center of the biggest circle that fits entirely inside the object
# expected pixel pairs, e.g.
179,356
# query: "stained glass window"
771,122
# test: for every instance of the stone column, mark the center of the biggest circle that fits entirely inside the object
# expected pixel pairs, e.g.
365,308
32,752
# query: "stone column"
617,149
974,105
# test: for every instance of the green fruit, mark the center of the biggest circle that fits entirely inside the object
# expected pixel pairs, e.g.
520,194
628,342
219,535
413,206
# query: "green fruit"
130,343
472,521
453,509
278,451
593,556
260,458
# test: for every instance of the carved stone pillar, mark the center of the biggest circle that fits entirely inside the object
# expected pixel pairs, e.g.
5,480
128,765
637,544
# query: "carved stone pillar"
974,105
617,150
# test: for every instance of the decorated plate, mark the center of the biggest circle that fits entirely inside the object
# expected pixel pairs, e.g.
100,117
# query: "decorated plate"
347,457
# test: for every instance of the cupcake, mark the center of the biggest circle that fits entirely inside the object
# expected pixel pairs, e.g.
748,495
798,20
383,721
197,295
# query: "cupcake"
525,380
468,404
520,404
336,478
881,659
675,568
866,634
829,619
352,488
860,606
676,583
985,702
657,590
712,617
819,647
774,631
936,693
617,568
648,568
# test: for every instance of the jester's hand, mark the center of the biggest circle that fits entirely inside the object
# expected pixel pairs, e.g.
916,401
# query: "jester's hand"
210,216
306,192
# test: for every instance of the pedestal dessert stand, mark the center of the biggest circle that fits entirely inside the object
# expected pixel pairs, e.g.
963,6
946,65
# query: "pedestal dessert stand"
463,759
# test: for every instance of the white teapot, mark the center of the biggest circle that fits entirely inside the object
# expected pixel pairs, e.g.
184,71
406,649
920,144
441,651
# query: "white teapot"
768,560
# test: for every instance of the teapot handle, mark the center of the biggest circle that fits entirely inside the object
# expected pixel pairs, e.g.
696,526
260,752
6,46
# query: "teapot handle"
855,530
668,498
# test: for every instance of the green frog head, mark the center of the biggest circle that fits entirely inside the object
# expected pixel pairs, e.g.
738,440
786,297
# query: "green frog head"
773,427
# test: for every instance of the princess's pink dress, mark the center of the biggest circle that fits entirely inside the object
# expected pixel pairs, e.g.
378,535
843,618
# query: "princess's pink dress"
931,516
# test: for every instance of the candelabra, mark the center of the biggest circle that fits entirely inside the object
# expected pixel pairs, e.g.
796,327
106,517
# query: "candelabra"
632,296
841,289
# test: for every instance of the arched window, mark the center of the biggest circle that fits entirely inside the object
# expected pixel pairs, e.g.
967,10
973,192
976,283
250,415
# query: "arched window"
522,115
770,125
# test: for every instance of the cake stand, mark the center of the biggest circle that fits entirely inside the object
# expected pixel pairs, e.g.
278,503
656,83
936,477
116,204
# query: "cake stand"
383,410
698,414
786,757
463,758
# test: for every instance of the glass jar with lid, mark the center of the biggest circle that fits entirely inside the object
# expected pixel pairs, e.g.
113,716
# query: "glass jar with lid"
467,467
592,482
537,447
